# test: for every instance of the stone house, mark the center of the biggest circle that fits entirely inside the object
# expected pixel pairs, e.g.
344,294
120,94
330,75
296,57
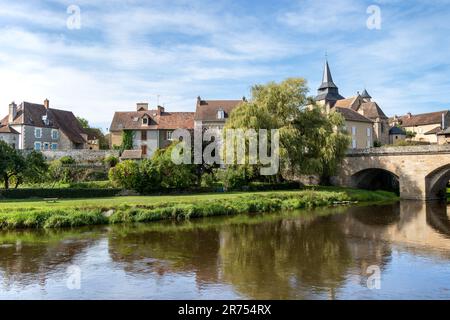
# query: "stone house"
426,126
364,119
40,127
151,129
9,135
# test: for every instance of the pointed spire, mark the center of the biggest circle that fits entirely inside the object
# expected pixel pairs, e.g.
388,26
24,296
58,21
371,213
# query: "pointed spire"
327,79
365,95
328,90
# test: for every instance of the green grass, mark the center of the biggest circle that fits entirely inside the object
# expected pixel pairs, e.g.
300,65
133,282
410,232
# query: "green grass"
75,213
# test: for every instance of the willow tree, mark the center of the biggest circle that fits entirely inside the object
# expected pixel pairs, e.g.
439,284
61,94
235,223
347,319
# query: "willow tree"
311,141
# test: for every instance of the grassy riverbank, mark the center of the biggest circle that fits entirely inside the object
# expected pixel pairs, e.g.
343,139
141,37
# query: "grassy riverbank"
74,213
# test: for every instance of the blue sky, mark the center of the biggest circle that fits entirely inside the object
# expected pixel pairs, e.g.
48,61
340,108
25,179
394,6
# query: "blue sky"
132,51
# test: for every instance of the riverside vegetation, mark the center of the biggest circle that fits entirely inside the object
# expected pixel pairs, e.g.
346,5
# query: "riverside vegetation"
75,213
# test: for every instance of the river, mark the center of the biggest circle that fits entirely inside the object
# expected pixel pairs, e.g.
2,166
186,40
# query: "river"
396,251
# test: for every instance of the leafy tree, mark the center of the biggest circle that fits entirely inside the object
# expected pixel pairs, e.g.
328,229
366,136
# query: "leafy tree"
103,141
35,170
84,123
311,142
12,163
173,176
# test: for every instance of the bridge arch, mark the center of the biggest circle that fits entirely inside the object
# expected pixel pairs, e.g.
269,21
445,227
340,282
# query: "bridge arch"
437,181
376,179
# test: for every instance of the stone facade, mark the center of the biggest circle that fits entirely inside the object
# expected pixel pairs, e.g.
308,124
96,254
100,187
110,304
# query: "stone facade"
82,155
423,172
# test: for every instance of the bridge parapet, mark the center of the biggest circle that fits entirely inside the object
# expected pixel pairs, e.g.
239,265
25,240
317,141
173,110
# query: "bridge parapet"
406,150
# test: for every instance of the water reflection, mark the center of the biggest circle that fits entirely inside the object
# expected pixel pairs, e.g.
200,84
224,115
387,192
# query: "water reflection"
321,254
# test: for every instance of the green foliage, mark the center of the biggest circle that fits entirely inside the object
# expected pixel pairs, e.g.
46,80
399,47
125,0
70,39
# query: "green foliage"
126,175
377,144
311,142
14,167
236,177
67,160
83,122
410,134
127,140
111,161
173,176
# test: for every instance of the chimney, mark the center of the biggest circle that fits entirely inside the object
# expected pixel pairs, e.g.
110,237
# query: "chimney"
46,103
160,110
409,115
443,121
199,100
142,106
244,99
12,112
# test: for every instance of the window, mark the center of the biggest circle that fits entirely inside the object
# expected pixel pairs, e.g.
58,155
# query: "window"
144,150
354,145
144,135
55,134
354,131
37,146
169,135
145,121
38,133
46,145
54,146
369,143
221,114
369,132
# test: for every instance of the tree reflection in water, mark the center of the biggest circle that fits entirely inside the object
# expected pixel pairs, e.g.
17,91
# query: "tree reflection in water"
309,254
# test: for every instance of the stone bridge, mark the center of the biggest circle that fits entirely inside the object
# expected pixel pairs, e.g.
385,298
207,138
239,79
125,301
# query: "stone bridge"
417,172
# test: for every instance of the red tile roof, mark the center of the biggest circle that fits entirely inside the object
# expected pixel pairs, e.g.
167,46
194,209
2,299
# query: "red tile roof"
422,119
351,115
165,120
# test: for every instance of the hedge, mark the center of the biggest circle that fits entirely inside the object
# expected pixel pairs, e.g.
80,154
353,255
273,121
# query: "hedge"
66,193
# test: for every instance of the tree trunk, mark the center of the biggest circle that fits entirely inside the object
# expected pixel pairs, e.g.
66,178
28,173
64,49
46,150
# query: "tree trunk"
6,180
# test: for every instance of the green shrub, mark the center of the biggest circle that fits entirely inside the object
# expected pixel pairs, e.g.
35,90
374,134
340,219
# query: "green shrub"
111,161
67,160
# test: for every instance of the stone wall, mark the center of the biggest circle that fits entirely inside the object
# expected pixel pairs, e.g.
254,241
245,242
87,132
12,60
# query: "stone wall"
83,155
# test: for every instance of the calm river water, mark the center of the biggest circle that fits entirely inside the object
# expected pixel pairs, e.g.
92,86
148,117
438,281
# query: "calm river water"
322,254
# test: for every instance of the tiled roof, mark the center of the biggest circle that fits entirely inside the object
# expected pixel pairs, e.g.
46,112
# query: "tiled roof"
371,110
7,129
207,109
422,119
164,120
345,103
31,114
351,115
131,154
434,131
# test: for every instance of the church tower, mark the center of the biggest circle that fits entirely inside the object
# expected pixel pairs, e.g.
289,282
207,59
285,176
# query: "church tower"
328,92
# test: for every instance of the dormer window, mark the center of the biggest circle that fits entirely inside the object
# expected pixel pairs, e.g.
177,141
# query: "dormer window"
145,121
220,114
